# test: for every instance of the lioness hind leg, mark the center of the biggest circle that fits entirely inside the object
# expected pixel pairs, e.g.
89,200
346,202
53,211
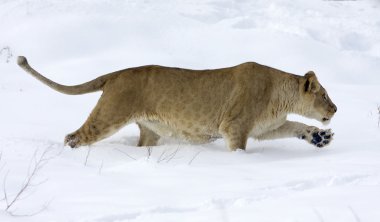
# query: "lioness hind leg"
101,123
235,136
147,136
313,135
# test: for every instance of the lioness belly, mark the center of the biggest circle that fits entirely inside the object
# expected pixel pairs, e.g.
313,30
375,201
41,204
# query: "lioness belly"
182,132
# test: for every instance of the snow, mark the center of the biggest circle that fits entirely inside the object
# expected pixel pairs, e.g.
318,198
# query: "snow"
280,180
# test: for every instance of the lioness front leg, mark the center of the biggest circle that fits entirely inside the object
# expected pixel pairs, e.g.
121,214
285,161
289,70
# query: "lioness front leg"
313,135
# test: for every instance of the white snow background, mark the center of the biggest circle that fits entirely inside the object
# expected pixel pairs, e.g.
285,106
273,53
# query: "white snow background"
281,180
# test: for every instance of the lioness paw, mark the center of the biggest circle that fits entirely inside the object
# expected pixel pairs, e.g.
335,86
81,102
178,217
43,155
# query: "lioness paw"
319,137
72,140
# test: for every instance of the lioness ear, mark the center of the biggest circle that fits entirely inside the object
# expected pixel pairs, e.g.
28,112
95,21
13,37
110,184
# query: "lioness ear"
311,83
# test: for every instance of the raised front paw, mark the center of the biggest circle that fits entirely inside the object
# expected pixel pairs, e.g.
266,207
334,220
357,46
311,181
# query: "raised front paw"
319,137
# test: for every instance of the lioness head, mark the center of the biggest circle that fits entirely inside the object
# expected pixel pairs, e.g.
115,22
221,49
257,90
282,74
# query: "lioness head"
315,100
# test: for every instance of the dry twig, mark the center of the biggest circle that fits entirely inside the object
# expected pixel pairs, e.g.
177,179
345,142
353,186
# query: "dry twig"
357,218
319,216
168,157
125,153
100,168
88,154
192,159
149,152
36,164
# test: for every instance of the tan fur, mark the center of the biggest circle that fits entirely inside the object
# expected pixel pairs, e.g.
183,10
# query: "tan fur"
248,100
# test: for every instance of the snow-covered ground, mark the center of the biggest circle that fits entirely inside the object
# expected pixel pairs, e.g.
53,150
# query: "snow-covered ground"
282,180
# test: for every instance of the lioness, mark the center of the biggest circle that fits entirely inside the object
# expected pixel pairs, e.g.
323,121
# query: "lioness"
248,100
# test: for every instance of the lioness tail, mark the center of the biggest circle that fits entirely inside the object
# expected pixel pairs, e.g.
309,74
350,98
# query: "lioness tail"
91,86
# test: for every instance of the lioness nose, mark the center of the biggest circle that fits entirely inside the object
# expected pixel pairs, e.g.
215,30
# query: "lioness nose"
335,108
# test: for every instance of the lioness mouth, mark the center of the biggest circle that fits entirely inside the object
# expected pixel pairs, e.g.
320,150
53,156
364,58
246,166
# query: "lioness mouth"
325,119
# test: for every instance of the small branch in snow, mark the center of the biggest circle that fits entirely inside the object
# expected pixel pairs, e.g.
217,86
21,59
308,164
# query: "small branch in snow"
125,153
357,219
168,157
100,168
316,212
149,152
192,159
4,188
36,164
171,156
161,156
44,207
88,154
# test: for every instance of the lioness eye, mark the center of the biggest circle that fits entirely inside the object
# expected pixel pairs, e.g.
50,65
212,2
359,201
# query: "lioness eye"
325,97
